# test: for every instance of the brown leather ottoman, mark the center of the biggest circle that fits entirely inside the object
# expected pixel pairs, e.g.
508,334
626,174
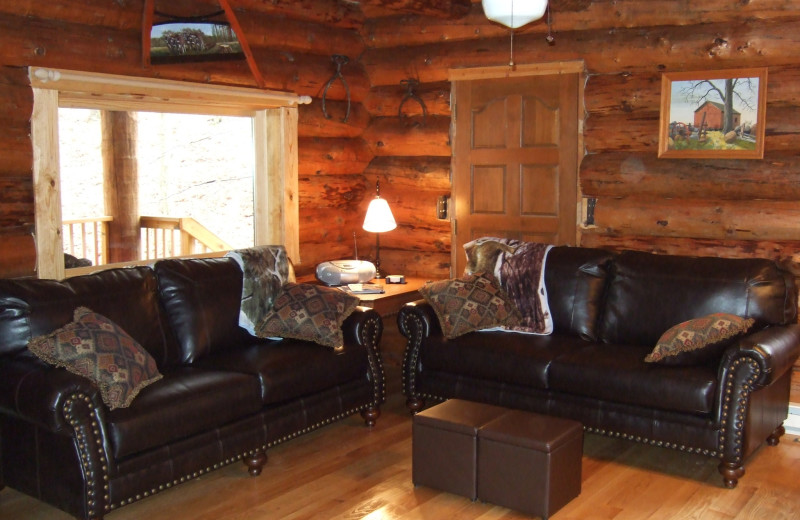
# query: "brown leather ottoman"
444,445
530,462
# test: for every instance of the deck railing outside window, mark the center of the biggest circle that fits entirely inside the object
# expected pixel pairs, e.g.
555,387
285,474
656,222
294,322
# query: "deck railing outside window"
87,238
161,237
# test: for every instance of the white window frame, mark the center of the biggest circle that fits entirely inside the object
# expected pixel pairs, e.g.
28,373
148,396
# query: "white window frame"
276,209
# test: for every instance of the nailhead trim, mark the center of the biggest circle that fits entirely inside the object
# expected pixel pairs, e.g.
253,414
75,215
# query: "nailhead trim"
621,435
742,402
411,355
84,447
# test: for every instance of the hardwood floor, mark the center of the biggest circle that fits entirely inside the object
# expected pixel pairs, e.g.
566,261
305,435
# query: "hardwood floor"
346,471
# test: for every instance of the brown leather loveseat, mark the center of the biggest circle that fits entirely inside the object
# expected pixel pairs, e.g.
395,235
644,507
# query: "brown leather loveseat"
225,395
609,310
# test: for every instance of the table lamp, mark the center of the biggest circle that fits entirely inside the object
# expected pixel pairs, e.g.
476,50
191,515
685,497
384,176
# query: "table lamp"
379,219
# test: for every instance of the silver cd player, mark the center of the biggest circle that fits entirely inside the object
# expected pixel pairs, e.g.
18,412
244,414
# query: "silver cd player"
340,272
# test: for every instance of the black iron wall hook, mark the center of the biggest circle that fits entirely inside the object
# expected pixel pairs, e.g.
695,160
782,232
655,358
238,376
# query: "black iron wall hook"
339,60
411,87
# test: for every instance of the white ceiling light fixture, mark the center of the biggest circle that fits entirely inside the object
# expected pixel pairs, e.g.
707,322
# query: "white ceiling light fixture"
514,14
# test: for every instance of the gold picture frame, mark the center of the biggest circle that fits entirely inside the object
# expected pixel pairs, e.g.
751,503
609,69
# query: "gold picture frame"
695,122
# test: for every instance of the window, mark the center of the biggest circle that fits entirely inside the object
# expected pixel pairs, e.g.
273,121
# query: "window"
274,123
191,168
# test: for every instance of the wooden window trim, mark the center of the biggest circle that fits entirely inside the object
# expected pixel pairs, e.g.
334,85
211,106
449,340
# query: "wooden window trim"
275,138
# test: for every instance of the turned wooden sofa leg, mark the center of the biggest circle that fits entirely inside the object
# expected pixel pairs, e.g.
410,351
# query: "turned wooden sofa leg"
775,437
371,415
255,462
731,473
415,404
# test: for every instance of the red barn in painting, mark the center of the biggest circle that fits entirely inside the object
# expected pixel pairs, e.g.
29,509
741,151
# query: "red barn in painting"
714,115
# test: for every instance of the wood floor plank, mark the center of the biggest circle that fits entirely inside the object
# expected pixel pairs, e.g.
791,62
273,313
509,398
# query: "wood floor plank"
346,471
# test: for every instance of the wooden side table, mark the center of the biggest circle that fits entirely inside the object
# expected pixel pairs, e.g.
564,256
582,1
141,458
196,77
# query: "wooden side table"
394,296
388,304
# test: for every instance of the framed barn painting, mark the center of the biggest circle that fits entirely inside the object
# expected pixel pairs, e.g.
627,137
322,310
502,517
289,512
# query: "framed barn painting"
713,114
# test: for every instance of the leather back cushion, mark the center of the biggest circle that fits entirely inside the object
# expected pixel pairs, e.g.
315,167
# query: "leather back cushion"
202,298
648,294
128,297
575,279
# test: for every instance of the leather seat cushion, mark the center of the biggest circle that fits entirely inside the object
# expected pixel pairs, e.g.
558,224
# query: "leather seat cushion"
618,373
288,369
513,358
185,402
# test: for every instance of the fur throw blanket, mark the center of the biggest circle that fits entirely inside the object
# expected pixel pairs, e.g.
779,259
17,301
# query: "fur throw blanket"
519,268
264,271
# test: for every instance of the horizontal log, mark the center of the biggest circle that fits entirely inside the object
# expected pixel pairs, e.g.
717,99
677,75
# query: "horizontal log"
14,76
781,251
643,174
337,14
712,219
318,155
451,9
313,123
425,264
411,173
330,192
746,43
385,101
17,154
783,86
638,131
17,106
17,253
308,74
271,30
607,94
407,30
327,235
97,13
392,136
41,43
37,42
621,131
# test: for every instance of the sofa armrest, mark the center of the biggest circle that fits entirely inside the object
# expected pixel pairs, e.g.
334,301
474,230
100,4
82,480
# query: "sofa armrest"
66,404
774,350
416,321
365,327
38,393
418,318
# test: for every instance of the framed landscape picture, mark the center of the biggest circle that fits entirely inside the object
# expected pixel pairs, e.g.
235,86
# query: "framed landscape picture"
180,41
713,114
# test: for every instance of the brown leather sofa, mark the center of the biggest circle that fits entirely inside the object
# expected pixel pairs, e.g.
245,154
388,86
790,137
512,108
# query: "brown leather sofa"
609,310
225,395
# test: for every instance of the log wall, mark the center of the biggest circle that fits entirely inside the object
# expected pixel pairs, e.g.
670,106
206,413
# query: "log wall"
292,42
733,208
716,207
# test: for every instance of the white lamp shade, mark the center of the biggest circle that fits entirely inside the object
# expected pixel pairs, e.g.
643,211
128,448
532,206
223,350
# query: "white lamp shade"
514,13
379,217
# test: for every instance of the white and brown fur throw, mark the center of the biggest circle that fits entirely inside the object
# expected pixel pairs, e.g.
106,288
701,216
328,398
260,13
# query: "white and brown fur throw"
264,271
519,269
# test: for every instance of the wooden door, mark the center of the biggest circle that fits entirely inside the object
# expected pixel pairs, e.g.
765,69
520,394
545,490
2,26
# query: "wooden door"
515,143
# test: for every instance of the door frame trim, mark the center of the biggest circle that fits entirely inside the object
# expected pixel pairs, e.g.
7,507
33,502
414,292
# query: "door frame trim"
530,69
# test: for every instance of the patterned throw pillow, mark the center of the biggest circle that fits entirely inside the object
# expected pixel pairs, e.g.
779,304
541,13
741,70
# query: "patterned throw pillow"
699,340
471,303
96,348
309,312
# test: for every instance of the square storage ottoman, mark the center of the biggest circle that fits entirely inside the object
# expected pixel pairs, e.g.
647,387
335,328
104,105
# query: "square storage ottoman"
444,445
530,462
